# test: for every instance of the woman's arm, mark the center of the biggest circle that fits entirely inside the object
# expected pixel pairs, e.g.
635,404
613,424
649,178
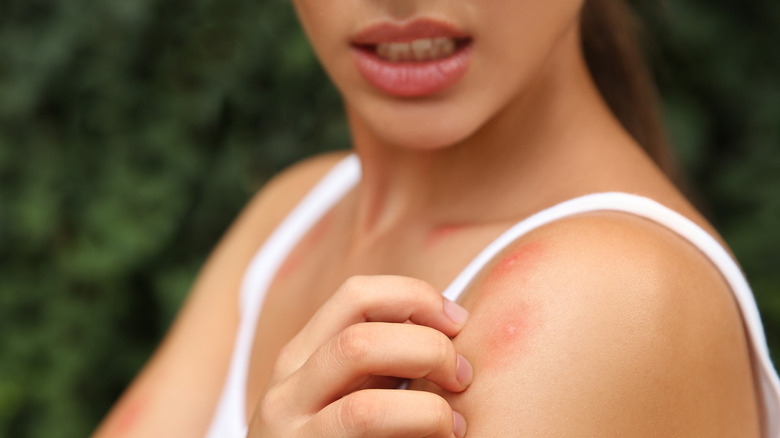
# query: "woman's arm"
176,392
605,325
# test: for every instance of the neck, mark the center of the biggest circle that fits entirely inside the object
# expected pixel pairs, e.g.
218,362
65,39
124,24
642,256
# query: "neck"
521,154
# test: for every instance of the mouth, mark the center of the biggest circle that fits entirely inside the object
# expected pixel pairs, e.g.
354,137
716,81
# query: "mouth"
419,50
419,58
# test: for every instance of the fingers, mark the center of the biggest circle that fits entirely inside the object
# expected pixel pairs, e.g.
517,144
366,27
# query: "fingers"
332,376
388,413
376,298
346,362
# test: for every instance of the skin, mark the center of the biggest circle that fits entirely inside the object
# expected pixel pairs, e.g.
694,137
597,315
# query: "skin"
601,324
294,260
509,324
614,356
443,232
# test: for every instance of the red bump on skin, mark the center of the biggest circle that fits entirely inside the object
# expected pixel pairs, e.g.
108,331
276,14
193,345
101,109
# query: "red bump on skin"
504,315
295,258
289,266
127,417
507,334
441,233
320,230
516,263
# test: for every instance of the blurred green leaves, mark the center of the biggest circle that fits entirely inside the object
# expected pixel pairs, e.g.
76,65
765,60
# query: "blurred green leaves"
131,133
719,71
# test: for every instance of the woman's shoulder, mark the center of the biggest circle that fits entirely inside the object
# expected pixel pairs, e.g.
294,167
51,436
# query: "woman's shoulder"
614,324
282,192
618,257
204,330
267,208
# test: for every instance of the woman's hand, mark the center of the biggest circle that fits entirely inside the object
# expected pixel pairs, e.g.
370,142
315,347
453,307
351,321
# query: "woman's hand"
336,378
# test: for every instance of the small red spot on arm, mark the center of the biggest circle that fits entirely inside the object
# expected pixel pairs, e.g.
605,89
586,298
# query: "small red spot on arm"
129,417
126,417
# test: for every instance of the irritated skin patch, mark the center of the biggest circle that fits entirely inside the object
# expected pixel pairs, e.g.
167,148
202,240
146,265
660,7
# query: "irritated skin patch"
441,233
127,417
515,265
290,265
507,334
504,315
295,259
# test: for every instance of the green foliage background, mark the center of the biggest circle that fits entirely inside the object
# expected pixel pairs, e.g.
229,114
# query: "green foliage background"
132,132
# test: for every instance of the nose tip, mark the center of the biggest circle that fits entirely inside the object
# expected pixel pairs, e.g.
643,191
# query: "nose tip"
401,9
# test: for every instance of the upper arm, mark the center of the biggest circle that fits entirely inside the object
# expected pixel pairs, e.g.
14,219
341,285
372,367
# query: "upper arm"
176,392
605,325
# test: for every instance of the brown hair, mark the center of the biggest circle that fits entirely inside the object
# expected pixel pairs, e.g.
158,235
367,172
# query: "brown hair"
614,57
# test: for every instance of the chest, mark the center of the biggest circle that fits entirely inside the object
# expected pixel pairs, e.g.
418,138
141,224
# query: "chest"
324,259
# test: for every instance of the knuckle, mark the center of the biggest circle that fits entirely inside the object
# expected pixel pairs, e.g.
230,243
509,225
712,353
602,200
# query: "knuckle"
271,406
358,414
352,292
419,288
425,295
285,359
352,287
424,286
441,348
440,414
353,344
289,359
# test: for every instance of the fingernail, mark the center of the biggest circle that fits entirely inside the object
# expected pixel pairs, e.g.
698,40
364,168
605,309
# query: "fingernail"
455,313
464,372
459,424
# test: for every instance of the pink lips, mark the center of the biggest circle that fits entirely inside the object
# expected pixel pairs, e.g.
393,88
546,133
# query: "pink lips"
410,79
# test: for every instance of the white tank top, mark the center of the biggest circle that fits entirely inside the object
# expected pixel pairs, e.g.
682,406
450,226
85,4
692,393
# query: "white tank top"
230,420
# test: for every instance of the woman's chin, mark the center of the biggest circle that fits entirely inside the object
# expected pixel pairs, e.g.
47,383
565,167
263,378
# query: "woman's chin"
417,133
422,138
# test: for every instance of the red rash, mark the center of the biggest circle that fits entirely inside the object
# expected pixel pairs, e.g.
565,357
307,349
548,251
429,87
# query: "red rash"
290,265
318,232
513,266
442,233
128,416
296,257
506,334
505,315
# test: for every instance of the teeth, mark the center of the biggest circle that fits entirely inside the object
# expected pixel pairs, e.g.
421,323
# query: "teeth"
399,52
428,49
423,49
446,45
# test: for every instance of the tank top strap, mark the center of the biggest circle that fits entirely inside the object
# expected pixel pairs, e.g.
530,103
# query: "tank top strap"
229,419
319,200
684,227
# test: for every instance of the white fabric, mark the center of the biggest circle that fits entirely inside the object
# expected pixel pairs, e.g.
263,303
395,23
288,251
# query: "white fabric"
230,417
229,420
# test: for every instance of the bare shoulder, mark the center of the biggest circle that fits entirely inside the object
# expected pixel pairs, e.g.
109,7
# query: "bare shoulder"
286,189
197,348
606,324
259,218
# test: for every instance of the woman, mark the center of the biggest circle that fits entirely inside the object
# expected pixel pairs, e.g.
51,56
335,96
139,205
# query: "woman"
480,139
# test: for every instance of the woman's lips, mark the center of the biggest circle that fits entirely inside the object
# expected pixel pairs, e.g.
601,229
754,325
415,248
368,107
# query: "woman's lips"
413,30
417,59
